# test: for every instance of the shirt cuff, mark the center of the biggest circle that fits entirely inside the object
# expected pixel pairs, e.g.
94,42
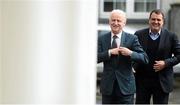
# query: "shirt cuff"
109,53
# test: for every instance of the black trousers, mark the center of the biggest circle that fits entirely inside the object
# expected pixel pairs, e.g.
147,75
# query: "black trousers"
117,97
145,90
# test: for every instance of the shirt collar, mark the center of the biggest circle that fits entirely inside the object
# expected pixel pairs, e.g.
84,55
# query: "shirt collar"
118,35
156,34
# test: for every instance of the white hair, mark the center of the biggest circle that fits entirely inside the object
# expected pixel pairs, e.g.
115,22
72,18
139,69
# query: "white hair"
118,11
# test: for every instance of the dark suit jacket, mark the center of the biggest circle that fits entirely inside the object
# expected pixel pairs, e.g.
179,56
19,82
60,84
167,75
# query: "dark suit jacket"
123,73
168,45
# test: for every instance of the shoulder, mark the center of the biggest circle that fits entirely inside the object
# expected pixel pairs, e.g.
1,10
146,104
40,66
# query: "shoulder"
169,34
129,35
142,31
166,31
104,35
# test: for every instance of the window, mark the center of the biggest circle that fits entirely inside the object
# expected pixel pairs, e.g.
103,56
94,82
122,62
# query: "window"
135,9
114,4
144,5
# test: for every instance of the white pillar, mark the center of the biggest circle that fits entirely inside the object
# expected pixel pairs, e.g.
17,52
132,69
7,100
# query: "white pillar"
0,52
49,51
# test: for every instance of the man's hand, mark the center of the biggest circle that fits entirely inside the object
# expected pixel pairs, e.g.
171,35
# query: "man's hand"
125,51
114,51
159,65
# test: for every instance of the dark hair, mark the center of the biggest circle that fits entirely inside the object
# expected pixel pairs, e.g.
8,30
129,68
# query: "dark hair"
157,11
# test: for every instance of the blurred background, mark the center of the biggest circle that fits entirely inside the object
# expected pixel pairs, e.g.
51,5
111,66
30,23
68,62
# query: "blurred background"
48,51
137,18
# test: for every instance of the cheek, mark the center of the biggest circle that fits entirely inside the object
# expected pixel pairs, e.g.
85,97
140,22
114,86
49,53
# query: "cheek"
122,24
162,23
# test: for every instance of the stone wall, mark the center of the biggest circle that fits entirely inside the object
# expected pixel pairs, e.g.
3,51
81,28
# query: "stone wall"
174,18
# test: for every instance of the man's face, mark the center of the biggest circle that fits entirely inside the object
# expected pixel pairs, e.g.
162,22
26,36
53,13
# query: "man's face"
117,22
156,22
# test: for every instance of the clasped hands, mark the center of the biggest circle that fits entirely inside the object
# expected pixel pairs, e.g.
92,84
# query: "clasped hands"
121,50
158,66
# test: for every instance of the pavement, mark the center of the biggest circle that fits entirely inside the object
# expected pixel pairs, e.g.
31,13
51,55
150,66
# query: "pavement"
174,96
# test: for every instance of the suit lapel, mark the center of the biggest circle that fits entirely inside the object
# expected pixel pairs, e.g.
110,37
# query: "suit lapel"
123,39
162,40
145,38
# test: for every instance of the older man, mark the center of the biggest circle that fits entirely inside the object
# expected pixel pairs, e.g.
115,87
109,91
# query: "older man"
117,49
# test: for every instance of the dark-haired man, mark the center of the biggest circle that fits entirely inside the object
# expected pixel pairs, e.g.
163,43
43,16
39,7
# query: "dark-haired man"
156,78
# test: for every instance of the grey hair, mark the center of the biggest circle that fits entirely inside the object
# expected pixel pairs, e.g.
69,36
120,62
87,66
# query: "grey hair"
117,11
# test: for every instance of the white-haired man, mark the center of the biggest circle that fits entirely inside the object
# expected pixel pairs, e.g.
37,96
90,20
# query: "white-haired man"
117,49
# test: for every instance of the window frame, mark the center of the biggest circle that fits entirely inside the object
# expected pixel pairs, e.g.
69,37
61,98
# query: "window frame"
129,10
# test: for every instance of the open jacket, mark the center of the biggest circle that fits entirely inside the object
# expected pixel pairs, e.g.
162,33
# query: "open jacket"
168,45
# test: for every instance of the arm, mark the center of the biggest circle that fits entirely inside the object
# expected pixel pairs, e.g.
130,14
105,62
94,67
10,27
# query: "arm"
169,62
138,54
102,54
175,50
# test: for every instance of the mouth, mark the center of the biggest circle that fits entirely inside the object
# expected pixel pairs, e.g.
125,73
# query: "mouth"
115,27
155,26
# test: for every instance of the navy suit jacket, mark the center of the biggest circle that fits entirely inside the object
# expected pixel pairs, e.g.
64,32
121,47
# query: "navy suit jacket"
168,45
123,73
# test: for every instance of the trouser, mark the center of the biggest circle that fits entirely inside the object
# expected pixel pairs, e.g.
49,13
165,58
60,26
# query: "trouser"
117,97
146,90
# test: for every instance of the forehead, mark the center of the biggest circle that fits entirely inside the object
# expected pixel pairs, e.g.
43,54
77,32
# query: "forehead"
154,15
117,15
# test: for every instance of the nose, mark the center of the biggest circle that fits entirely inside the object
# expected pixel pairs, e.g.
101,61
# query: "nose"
156,21
116,22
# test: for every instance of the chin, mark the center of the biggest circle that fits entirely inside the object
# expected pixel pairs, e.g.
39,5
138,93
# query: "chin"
116,31
156,29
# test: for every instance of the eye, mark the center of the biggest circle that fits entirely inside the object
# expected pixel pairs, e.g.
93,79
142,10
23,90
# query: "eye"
153,19
113,20
158,19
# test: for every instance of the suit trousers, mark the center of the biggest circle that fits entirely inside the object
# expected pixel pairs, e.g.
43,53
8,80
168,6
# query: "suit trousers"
117,97
147,89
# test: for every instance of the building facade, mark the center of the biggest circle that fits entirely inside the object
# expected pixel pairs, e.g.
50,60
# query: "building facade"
137,12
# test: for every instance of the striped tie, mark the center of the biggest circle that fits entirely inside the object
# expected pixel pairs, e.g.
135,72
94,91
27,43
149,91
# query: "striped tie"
114,43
